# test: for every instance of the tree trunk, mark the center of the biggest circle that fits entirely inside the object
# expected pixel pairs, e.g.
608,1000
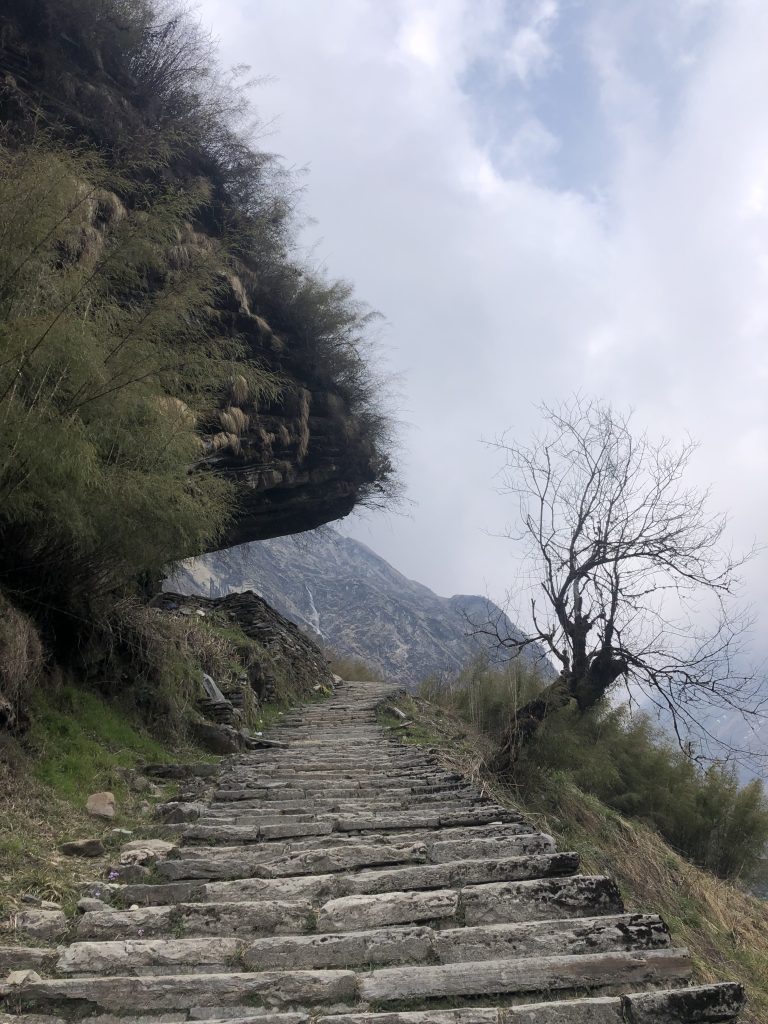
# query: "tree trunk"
587,689
528,720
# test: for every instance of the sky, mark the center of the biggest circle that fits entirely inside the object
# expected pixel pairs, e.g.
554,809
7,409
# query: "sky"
541,197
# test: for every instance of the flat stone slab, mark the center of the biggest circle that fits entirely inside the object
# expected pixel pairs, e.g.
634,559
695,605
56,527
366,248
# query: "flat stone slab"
545,974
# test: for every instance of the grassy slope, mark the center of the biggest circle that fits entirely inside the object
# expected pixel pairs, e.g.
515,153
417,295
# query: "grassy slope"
79,744
725,929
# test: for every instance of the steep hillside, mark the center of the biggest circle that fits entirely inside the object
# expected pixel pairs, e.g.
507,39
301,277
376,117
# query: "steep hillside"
355,603
293,422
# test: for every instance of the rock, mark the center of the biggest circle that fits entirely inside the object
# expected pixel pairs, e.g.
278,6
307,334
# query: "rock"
175,813
121,832
89,903
83,848
219,739
101,805
16,978
50,905
198,769
145,851
42,924
127,873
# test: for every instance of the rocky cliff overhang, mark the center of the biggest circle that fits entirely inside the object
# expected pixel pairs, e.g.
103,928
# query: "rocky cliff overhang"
306,454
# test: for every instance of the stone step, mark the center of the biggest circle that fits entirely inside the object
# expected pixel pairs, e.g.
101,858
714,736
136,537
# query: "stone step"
79,998
540,974
500,830
705,1004
494,903
344,988
452,874
255,862
400,945
267,917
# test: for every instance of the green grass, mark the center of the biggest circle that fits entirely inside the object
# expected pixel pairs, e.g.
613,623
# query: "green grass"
79,743
79,740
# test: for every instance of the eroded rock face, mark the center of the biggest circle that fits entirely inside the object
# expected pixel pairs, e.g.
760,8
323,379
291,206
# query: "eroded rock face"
299,460
291,654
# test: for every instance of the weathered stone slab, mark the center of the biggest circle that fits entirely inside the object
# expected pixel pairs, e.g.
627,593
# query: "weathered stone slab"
703,1004
266,917
545,974
461,873
358,913
548,938
577,896
379,946
270,988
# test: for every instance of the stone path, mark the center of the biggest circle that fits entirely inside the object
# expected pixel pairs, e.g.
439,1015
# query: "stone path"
347,879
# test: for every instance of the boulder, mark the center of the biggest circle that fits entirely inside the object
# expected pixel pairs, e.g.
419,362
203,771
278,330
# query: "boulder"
42,924
101,805
83,848
219,739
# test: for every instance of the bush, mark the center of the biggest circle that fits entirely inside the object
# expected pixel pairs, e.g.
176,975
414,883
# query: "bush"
628,763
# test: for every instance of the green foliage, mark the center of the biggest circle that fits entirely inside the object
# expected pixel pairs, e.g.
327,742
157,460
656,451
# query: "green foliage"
627,762
101,375
80,740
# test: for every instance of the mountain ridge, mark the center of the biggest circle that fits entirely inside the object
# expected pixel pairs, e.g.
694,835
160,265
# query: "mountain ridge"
357,604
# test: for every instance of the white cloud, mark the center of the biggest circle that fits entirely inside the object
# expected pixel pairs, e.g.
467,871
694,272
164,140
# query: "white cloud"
502,291
530,48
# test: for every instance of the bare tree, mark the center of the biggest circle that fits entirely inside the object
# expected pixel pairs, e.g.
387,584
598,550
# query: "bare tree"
632,579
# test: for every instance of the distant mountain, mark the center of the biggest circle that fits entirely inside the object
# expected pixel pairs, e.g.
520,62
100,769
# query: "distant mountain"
356,603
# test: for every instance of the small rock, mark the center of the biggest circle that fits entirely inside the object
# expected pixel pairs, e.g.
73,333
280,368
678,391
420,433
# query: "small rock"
120,832
101,805
89,903
16,978
29,898
42,924
134,906
83,848
50,905
145,851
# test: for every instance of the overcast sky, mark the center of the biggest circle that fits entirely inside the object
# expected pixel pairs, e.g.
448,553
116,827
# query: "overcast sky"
540,196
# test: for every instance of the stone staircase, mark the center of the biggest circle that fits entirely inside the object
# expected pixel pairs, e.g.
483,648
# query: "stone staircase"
347,879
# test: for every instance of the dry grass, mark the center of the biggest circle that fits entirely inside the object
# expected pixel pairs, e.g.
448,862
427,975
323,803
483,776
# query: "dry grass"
725,929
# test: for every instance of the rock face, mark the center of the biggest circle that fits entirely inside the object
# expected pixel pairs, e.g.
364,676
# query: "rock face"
356,603
344,878
290,655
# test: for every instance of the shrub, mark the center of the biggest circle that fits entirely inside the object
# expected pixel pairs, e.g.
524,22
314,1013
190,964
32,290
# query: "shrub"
21,666
628,762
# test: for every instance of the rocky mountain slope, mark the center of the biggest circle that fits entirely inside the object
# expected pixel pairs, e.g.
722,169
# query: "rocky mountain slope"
355,603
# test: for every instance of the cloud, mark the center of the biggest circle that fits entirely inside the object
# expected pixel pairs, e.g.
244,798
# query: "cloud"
530,48
638,272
